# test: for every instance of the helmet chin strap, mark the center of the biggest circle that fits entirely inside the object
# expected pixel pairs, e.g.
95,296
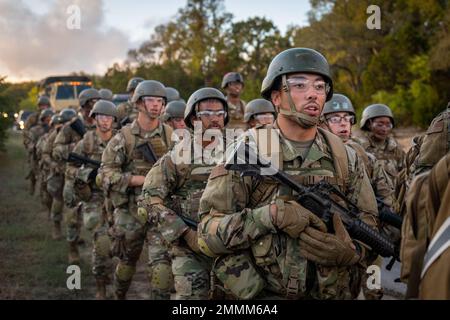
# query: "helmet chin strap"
304,120
147,113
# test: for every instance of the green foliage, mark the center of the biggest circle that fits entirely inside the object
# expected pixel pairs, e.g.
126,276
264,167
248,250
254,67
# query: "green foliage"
418,102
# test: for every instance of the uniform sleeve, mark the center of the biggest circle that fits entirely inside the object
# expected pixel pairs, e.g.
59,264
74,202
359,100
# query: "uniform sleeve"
225,222
72,168
28,140
383,184
62,145
360,190
113,159
161,181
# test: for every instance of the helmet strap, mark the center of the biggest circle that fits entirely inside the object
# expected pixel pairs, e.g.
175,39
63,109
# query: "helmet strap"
304,120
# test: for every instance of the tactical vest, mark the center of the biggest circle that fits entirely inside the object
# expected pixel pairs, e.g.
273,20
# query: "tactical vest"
93,149
136,163
186,200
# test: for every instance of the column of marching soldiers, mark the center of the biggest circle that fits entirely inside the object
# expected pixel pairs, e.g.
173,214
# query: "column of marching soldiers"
213,234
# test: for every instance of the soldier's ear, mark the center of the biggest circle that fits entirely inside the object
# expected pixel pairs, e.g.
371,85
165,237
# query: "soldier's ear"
275,96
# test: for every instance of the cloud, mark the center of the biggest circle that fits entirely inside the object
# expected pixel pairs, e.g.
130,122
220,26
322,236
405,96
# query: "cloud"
33,46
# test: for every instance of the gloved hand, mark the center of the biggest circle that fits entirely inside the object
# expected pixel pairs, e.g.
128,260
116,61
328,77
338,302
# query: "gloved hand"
191,239
292,218
328,249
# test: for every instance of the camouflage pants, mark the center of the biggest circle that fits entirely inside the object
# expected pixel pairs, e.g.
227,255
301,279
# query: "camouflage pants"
32,173
55,184
46,198
91,215
129,236
101,256
191,273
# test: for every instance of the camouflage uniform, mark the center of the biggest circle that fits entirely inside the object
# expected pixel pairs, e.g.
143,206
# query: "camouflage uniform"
55,179
236,114
235,225
31,138
126,109
381,182
44,170
180,187
31,133
389,153
65,141
121,159
92,209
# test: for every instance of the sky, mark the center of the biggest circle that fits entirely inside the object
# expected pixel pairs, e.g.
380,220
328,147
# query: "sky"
35,40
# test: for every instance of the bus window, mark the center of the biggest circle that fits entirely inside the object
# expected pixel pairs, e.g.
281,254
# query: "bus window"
81,87
65,92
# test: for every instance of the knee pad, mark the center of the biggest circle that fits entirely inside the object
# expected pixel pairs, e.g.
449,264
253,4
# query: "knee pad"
161,276
125,272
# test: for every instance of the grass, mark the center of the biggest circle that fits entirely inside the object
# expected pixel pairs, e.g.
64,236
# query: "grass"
32,266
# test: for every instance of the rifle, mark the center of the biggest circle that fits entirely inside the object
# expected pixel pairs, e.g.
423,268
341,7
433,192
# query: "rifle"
79,159
189,222
385,214
125,121
78,127
147,151
316,199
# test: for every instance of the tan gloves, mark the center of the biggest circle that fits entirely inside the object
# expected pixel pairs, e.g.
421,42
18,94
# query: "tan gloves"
192,240
328,249
292,218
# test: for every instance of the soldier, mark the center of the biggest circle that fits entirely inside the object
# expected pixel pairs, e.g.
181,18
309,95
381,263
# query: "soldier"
174,115
44,170
232,84
106,94
65,141
426,234
126,111
125,163
32,120
55,180
259,112
338,116
172,95
377,123
92,209
30,139
251,224
172,190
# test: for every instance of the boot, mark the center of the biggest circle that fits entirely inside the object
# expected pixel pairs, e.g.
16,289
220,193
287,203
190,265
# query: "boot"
101,289
74,256
56,232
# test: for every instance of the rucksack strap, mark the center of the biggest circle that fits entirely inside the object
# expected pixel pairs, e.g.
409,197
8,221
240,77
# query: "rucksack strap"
340,155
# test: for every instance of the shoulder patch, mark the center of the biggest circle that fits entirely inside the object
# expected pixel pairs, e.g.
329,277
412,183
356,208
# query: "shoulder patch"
218,171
